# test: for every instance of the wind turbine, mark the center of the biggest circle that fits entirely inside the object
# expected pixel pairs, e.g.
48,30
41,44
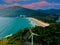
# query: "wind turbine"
32,34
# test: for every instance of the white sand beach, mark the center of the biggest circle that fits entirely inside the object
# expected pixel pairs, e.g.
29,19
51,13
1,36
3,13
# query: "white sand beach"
38,22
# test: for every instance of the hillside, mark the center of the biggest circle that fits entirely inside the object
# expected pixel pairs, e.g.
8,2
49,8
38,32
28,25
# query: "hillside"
47,36
15,39
51,11
17,11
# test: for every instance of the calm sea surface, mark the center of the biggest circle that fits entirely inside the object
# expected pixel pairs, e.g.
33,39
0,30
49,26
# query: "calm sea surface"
12,25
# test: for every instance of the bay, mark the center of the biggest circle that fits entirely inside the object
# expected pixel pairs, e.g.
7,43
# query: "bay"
10,25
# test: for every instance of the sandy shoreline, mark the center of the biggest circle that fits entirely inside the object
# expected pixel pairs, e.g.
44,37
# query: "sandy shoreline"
34,22
38,22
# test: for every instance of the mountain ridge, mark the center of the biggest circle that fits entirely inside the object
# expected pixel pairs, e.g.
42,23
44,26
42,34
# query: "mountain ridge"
50,11
16,11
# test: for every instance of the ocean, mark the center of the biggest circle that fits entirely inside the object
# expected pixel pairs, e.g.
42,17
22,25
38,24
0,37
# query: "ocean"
9,25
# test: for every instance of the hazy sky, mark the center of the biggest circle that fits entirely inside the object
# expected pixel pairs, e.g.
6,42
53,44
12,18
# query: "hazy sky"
31,4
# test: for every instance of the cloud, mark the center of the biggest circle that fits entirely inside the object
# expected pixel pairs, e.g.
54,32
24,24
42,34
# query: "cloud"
30,6
8,1
38,4
35,4
1,6
21,0
16,4
8,5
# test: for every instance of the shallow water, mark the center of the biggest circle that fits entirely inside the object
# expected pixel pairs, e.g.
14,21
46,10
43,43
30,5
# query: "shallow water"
12,25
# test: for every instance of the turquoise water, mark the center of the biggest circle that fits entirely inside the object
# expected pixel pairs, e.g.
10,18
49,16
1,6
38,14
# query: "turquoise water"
12,25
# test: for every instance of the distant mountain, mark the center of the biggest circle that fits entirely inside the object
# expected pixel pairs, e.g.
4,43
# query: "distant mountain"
51,11
17,11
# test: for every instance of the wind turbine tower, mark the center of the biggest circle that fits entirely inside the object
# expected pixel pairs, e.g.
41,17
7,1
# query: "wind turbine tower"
32,35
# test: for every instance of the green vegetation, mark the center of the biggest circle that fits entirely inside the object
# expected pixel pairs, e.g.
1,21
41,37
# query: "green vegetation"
39,14
17,11
4,41
51,11
15,39
48,35
48,19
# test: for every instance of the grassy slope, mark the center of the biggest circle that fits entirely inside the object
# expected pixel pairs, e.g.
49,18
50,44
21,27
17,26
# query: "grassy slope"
7,42
15,39
47,34
4,41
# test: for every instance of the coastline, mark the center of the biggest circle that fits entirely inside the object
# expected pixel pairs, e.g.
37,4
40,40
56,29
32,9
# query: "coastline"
32,22
37,22
8,35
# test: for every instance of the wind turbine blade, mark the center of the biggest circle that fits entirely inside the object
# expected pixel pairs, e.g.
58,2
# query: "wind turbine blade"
35,34
30,36
30,30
